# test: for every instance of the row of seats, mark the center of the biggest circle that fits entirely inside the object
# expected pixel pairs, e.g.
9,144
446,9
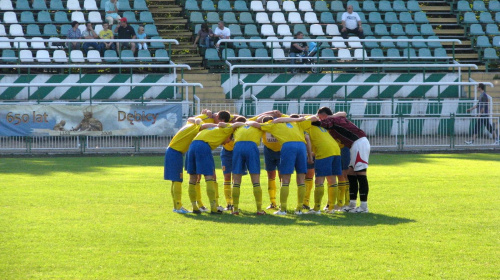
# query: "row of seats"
72,5
303,6
309,17
484,42
53,43
477,30
484,17
51,30
478,6
77,56
28,17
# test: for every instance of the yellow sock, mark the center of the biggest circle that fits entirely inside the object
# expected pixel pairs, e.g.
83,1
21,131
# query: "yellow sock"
301,192
271,189
347,198
198,195
227,192
211,195
257,193
332,191
216,187
192,196
172,194
236,197
284,196
341,196
309,186
177,191
319,191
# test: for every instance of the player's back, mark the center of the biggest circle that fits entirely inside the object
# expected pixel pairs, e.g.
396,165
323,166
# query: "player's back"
183,137
247,133
214,136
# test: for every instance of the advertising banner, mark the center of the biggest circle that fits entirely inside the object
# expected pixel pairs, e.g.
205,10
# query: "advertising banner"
95,120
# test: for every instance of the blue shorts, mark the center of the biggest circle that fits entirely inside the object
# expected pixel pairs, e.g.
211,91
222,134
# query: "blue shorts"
311,165
271,159
345,153
172,168
328,166
199,159
293,156
226,159
246,154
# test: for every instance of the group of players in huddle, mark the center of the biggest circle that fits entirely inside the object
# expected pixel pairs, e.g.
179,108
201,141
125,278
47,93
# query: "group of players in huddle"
325,146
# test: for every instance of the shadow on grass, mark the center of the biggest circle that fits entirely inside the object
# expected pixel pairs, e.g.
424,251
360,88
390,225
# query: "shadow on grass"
340,219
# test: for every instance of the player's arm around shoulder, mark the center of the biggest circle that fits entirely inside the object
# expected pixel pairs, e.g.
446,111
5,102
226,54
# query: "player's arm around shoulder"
287,120
253,124
207,125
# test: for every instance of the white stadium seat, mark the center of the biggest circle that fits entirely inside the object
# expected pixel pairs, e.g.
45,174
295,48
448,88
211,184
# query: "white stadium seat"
267,30
287,45
316,30
256,6
4,44
344,54
77,16
43,56
338,44
95,17
305,6
278,54
355,45
289,6
16,30
294,17
311,17
9,17
73,5
6,5
262,18
2,30
90,5
274,45
273,6
26,56
358,54
37,45
59,56
76,56
94,56
332,30
284,30
278,18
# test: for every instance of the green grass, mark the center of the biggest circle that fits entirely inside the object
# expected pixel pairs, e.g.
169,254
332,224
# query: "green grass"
433,216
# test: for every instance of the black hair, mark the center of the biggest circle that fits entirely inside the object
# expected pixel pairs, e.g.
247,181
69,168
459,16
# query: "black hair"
224,116
266,119
294,116
325,110
74,23
240,119
481,86
204,27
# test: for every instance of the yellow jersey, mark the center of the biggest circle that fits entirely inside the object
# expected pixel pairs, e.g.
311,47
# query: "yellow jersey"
323,144
271,142
247,133
184,137
205,119
214,136
229,146
287,132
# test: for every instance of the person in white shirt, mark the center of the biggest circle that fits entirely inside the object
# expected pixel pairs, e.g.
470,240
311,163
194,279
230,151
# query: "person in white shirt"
351,23
222,32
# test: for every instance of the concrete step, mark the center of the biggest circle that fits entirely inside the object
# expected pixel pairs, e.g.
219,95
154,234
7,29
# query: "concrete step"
458,31
442,20
205,77
444,8
467,55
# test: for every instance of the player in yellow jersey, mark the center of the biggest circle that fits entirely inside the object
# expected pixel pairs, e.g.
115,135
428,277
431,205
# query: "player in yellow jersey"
226,158
246,155
174,161
200,161
290,133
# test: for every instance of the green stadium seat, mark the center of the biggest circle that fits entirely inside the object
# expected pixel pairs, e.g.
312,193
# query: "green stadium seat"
241,45
9,56
156,45
211,54
405,17
496,41
381,30
240,6
229,18
369,6
361,16
385,6
476,30
144,55
371,45
261,52
151,30
27,17
425,54
485,18
235,30
434,45
110,56
339,18
50,30
44,17
39,5
328,55
426,30
399,6
130,17
227,53
255,45
479,6
418,45
33,30
387,45
470,18
213,17
413,6
326,18
497,17
124,5
161,55
483,42
440,52
64,29
146,17
337,6
196,17
22,5
494,6
320,6
207,6
375,17
402,44
140,5
224,6
127,56
354,4
421,17
61,17
56,5
397,30
391,18
463,6
393,54
246,18
412,52
251,30
191,5
492,29
377,54
412,30
244,53
490,54
300,27
367,29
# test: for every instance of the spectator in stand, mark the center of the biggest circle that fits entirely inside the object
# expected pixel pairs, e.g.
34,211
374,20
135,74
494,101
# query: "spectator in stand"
141,35
105,34
222,32
125,31
111,10
351,23
74,33
205,37
297,48
90,34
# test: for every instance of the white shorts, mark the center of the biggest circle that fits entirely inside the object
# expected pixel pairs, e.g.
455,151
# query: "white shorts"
360,152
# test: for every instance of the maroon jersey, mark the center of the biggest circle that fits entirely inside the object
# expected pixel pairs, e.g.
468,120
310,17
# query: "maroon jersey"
342,129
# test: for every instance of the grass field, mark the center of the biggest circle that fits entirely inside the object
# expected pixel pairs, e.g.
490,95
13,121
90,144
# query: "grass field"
432,216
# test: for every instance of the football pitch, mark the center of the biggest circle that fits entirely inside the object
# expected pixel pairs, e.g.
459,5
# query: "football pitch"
432,216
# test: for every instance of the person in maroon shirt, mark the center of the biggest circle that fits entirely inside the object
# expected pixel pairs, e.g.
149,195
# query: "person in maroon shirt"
355,139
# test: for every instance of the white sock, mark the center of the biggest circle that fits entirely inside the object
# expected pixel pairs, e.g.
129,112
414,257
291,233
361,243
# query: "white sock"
352,203
364,204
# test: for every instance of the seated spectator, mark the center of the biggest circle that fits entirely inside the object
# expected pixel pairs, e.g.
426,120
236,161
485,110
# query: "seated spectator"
105,34
125,31
351,23
90,34
74,33
298,48
205,37
141,35
222,32
111,9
